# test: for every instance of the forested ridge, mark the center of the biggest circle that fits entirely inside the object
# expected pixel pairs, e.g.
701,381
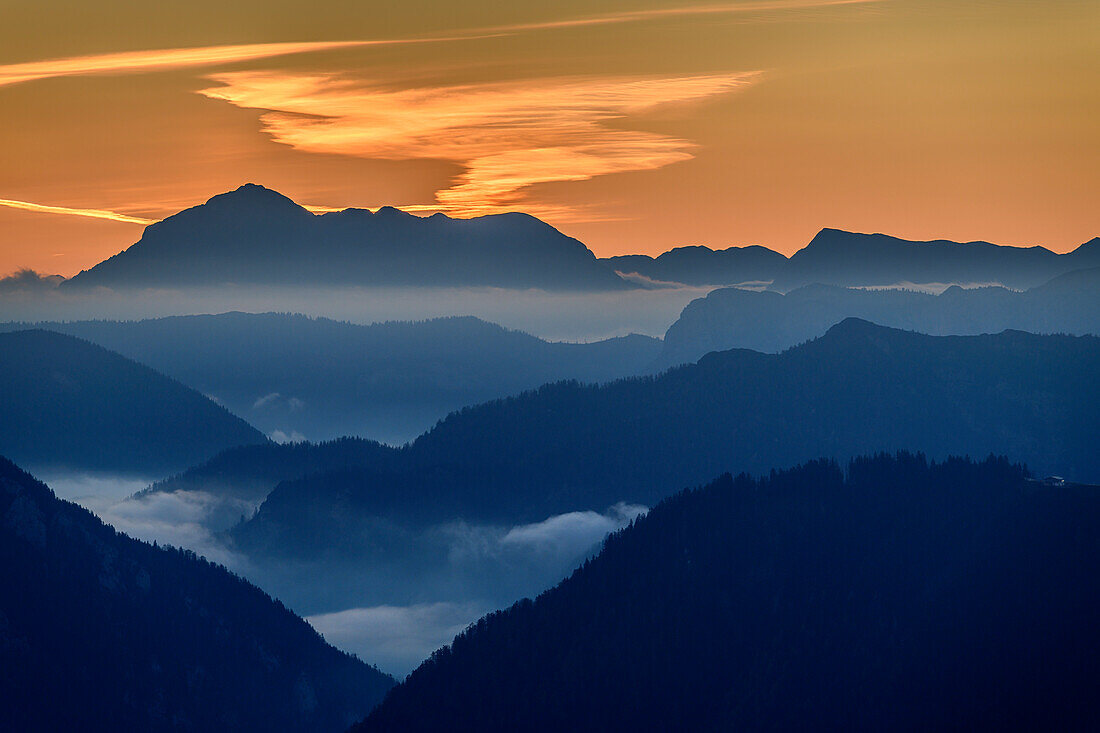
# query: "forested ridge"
99,631
900,594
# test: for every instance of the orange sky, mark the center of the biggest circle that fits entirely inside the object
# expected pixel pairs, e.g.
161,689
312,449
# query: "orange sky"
634,126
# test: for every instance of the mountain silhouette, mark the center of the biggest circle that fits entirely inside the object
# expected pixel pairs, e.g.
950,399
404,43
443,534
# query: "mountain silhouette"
768,321
704,266
256,236
901,596
836,257
389,381
69,404
568,447
850,259
99,631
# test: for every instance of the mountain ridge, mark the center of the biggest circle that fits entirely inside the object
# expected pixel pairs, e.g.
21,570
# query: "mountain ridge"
898,595
255,235
99,631
69,403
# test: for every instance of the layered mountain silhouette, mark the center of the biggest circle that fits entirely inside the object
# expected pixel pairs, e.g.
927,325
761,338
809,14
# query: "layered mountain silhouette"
568,447
255,236
768,321
836,257
704,266
901,596
250,471
70,404
851,259
99,631
321,379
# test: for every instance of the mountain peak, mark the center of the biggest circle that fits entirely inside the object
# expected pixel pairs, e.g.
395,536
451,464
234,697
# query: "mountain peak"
253,196
853,325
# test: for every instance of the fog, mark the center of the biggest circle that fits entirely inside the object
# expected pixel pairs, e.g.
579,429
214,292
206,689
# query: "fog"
392,612
555,316
182,519
397,638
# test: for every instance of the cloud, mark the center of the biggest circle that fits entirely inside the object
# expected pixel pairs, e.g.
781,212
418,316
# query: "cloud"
176,58
29,280
572,533
397,638
557,316
182,519
560,538
280,436
635,16
267,399
91,213
508,135
500,564
85,487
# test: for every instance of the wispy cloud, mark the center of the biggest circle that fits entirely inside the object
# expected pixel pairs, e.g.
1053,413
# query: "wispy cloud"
176,58
180,58
507,135
634,16
91,213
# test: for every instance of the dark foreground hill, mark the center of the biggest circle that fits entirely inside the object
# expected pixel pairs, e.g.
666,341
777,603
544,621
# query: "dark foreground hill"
905,596
102,632
254,236
566,447
70,404
730,318
322,379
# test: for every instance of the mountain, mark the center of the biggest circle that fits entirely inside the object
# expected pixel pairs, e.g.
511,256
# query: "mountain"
71,404
851,259
704,266
250,471
730,318
902,596
848,259
254,236
568,447
322,379
99,631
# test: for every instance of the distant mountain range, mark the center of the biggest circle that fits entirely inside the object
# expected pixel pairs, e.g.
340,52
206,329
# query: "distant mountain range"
319,379
730,318
699,265
99,631
69,404
568,447
849,259
255,236
903,596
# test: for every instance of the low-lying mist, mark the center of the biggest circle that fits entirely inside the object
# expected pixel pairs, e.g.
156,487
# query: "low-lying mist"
392,612
556,316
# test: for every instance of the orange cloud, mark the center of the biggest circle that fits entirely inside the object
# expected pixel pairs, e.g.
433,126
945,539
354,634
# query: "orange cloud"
632,16
91,213
508,135
178,58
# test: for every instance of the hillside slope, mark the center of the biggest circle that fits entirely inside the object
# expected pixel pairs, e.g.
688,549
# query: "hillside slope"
901,597
74,405
101,632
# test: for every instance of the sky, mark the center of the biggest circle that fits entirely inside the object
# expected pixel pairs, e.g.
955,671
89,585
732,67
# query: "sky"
634,126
